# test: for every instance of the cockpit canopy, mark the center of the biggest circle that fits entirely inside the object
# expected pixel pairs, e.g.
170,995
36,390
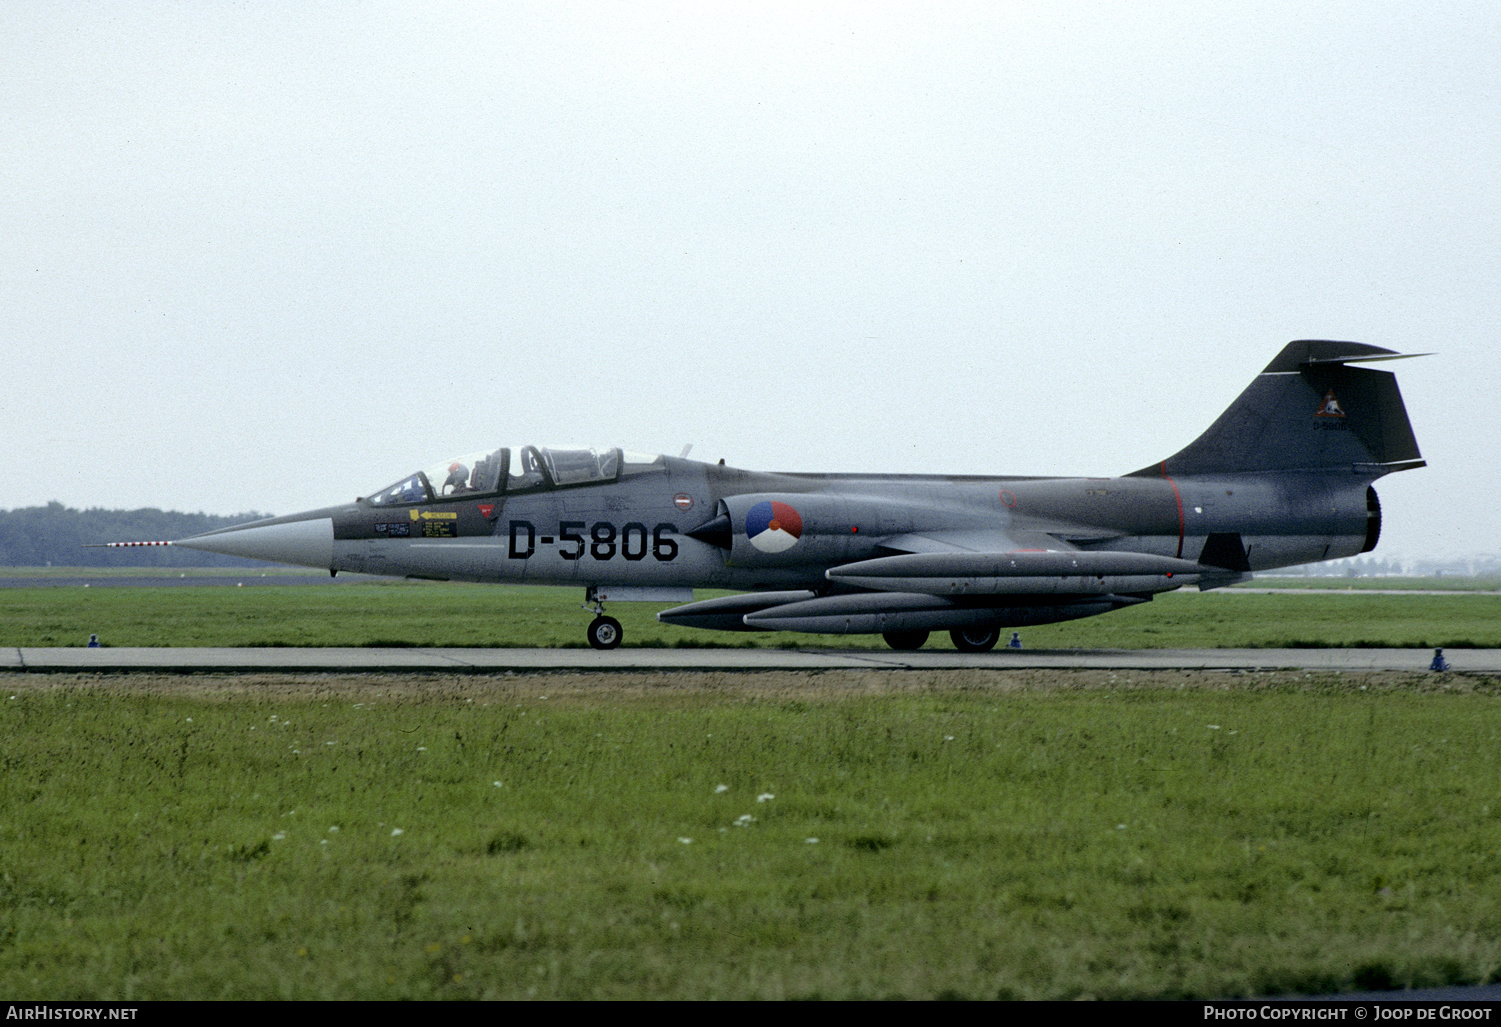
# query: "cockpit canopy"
516,469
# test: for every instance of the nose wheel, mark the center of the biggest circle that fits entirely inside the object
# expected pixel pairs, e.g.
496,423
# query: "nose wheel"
604,632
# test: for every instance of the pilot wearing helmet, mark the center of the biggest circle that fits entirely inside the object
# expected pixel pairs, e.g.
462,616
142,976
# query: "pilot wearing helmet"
458,480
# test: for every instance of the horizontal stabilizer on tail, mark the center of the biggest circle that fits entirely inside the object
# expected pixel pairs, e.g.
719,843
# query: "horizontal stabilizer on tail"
1364,360
1306,352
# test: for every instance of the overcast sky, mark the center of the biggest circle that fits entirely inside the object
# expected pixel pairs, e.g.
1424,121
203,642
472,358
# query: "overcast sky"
271,256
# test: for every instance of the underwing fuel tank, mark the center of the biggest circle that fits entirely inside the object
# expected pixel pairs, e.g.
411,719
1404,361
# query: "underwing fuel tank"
727,613
914,611
1019,573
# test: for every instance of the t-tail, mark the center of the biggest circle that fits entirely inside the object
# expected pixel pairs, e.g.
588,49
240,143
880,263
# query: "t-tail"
1308,411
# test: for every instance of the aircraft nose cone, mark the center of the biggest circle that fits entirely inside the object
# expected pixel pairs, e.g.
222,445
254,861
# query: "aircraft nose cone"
309,543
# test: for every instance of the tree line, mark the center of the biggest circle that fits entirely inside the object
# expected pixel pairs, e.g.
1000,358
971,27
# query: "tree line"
55,536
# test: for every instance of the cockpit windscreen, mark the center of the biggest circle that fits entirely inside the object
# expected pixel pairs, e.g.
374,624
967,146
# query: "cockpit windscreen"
515,469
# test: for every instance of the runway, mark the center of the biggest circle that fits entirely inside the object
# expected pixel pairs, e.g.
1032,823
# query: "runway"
490,661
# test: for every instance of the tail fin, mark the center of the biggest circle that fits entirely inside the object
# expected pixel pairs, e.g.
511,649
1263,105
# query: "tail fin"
1308,410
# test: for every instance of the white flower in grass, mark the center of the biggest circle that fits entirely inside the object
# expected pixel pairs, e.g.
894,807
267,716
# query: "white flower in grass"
395,831
278,836
1214,727
686,841
717,791
810,841
744,820
764,796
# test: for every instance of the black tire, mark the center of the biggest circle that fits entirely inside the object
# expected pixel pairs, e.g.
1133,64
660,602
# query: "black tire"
975,640
905,641
605,633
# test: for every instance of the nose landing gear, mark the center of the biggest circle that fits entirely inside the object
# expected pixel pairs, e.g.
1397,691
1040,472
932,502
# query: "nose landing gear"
604,632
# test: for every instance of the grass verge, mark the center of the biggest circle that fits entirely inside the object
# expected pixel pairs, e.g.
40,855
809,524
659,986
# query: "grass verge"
978,834
456,615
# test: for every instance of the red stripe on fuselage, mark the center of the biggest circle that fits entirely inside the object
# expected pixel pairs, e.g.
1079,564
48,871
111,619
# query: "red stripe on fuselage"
1179,498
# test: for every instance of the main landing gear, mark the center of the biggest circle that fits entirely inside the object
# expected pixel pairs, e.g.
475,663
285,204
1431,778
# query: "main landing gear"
905,641
975,640
604,632
966,640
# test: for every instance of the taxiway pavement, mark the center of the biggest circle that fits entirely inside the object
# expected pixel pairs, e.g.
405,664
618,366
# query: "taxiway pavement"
489,661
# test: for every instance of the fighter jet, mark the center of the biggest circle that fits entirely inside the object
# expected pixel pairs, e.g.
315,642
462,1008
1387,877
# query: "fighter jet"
1283,477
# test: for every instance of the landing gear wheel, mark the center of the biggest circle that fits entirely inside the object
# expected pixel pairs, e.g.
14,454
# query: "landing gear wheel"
605,633
905,641
975,640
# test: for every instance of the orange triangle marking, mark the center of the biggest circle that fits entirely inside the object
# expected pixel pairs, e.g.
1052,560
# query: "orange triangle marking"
1330,407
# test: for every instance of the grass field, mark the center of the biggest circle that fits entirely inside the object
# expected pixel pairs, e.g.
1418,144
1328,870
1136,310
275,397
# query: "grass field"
1443,583
978,834
458,615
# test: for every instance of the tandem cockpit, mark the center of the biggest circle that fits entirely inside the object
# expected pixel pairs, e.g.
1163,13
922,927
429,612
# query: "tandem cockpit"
513,469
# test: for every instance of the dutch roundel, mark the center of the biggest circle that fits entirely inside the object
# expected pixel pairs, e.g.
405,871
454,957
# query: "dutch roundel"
773,527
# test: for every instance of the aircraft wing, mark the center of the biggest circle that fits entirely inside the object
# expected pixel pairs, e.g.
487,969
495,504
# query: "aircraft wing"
975,540
951,579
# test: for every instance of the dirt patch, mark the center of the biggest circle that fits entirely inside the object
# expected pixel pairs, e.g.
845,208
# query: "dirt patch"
803,686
